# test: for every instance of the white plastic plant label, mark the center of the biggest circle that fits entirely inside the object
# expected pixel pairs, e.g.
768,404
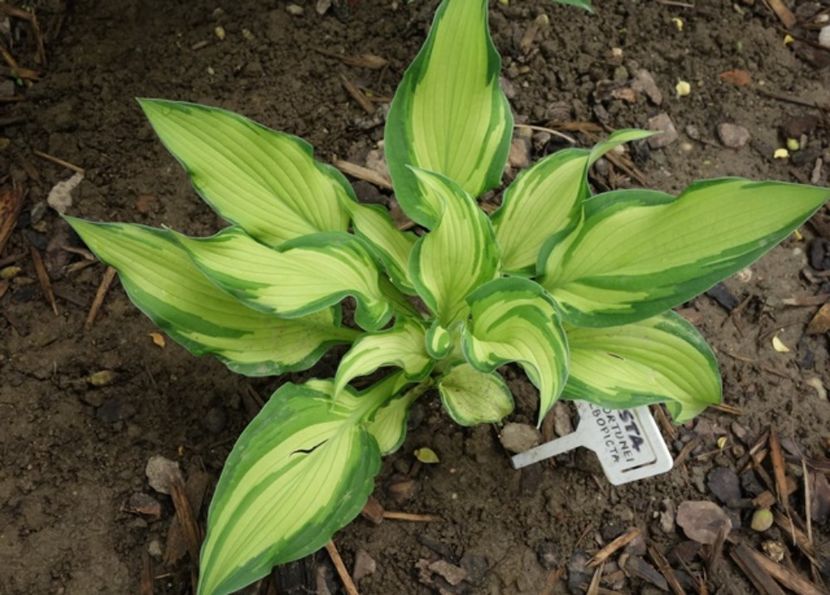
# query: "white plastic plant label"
627,441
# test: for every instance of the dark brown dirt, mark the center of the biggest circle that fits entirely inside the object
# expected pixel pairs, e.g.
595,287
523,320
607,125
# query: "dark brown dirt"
73,454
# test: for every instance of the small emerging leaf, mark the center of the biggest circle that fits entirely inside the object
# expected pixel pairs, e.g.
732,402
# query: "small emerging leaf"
426,455
472,397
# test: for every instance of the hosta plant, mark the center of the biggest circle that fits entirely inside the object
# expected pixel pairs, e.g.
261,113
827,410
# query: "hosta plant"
576,289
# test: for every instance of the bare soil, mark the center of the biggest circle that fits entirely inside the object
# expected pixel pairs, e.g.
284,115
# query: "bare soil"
72,454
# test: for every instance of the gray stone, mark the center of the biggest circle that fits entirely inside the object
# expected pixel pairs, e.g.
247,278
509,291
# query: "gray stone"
732,135
661,123
519,437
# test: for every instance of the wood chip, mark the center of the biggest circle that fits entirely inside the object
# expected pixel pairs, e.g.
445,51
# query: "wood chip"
756,574
373,511
195,488
787,577
783,13
778,468
187,520
820,323
609,550
11,203
43,279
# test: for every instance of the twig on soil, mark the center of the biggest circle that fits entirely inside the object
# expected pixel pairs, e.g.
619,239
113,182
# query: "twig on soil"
348,584
666,570
363,173
146,586
677,4
11,203
407,516
59,161
561,135
793,100
717,548
593,588
807,301
797,536
100,294
778,469
789,578
609,550
31,17
358,95
187,521
370,61
807,503
43,279
730,409
664,422
686,451
15,68
756,574
11,259
630,170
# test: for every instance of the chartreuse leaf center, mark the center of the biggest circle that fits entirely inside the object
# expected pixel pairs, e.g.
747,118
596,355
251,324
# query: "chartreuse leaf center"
514,320
459,252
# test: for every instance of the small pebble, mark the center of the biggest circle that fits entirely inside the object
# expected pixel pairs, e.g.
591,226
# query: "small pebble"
761,520
661,123
519,437
732,135
295,9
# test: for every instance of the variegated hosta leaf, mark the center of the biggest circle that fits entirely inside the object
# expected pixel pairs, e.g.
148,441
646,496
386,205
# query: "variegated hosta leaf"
402,346
303,276
663,359
162,281
266,182
514,320
300,471
472,397
458,255
546,200
391,246
640,252
449,114
388,426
